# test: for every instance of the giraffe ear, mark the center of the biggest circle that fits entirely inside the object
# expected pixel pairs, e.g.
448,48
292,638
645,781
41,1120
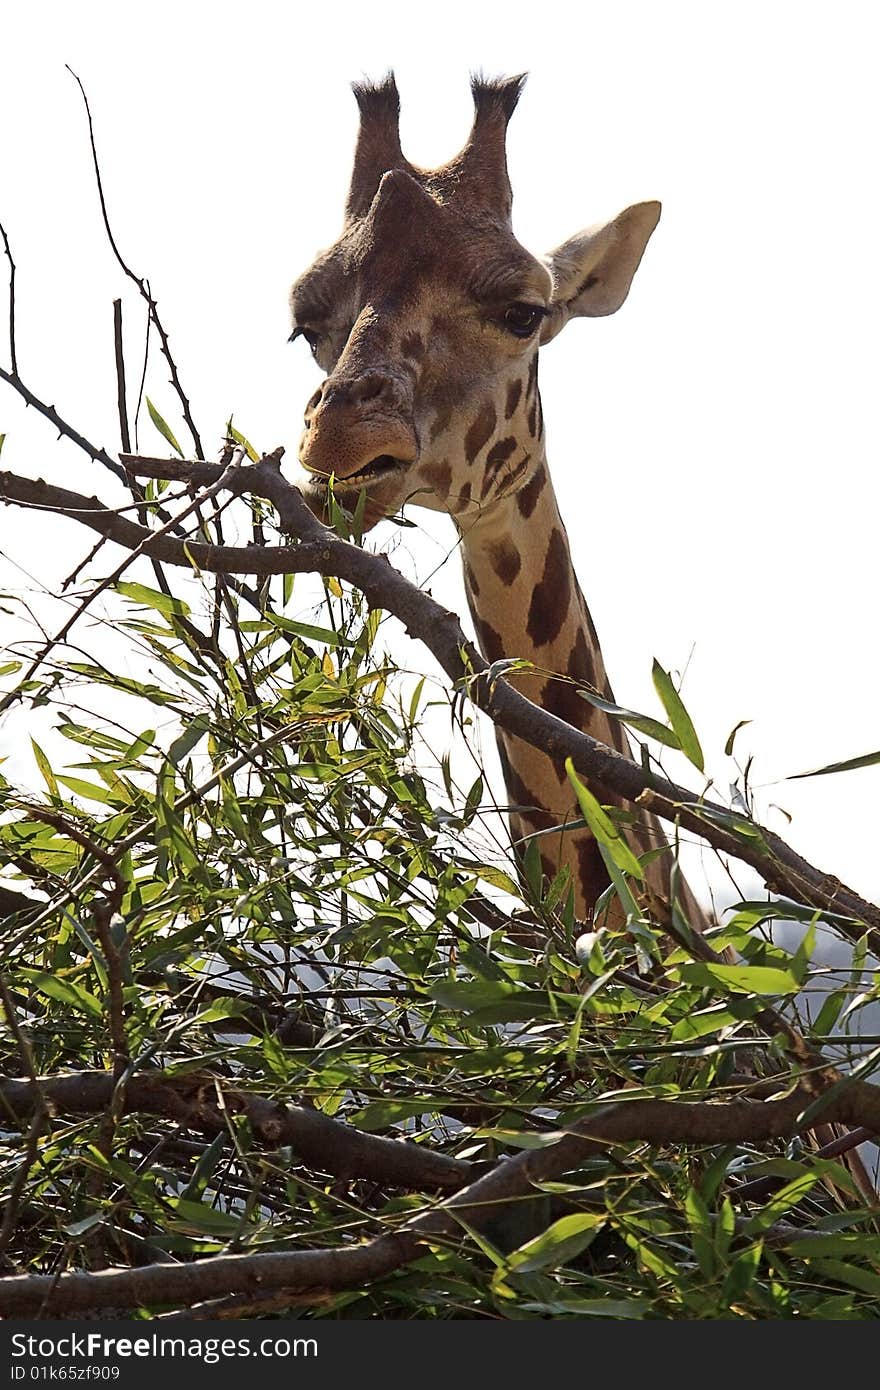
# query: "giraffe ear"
593,270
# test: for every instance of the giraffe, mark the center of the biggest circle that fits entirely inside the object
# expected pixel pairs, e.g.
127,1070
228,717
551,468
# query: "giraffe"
427,316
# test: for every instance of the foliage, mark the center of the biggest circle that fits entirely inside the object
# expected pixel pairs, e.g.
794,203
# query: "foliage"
300,913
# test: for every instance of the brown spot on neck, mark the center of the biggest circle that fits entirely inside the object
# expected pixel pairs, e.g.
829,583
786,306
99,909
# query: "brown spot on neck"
505,560
581,666
529,806
552,594
561,698
490,642
480,431
527,497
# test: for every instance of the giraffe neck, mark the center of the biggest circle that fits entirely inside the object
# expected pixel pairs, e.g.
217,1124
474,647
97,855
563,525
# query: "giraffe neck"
526,602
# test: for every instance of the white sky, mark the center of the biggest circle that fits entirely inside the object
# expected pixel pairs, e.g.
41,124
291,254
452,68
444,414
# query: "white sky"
714,445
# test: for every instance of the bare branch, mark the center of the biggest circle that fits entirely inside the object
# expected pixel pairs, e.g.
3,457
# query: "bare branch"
323,1143
142,284
119,355
13,360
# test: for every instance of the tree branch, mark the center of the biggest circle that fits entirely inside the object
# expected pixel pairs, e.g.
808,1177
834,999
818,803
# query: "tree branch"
142,285
655,1121
193,1101
321,551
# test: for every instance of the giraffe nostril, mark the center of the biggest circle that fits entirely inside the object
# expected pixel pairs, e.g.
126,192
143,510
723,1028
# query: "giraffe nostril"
369,388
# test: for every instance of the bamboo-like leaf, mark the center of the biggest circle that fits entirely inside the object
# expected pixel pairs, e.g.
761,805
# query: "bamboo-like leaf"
743,979
731,737
643,723
164,428
239,438
153,598
559,1244
678,715
63,991
46,769
603,827
850,765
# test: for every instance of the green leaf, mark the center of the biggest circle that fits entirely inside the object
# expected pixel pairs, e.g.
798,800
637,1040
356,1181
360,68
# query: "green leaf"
498,879
866,760
731,737
239,438
8,667
678,716
642,722
700,1224
63,991
309,631
46,769
741,1274
188,740
89,790
744,979
781,1202
856,1278
196,1216
699,1023
164,428
205,1167
153,598
559,1244
380,1114
602,826
830,1012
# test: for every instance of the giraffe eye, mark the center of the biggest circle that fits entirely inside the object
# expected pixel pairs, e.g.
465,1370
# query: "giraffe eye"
310,336
522,319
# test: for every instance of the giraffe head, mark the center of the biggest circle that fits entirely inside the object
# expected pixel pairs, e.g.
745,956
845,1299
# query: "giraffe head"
427,315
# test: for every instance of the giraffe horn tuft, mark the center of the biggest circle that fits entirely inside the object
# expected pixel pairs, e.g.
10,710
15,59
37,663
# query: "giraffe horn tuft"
496,96
378,143
481,168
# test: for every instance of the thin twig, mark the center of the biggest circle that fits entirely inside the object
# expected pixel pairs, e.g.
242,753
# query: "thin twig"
172,524
119,355
142,284
13,360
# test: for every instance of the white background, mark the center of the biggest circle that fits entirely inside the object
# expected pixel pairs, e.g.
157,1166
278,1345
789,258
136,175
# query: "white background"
714,445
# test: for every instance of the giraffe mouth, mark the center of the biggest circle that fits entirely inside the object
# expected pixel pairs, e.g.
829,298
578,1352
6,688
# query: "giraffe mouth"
379,467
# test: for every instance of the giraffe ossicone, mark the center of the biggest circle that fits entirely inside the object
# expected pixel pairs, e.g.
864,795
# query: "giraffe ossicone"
427,316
